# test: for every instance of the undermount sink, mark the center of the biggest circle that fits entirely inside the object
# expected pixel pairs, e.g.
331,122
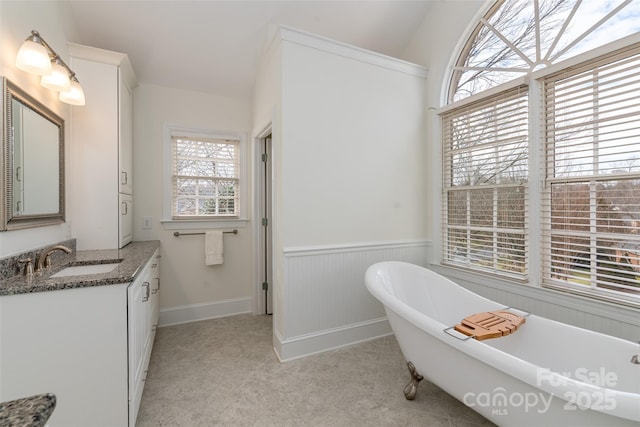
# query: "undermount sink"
83,270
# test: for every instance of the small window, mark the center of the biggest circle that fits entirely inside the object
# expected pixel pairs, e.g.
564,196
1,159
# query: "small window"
205,180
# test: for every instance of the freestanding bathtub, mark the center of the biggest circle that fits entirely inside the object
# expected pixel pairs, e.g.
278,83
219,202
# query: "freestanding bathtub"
544,374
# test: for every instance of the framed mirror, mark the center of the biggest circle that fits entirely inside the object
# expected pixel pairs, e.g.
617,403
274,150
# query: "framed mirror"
32,163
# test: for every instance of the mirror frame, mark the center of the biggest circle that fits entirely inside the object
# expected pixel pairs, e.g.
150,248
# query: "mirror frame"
8,221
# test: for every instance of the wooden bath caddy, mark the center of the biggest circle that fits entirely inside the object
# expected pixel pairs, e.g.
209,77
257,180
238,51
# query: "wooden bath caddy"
490,324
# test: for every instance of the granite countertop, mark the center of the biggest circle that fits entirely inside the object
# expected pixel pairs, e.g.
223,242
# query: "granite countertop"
33,411
134,256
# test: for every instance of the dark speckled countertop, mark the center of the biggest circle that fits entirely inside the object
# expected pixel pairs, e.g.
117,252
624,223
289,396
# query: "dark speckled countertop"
32,411
134,256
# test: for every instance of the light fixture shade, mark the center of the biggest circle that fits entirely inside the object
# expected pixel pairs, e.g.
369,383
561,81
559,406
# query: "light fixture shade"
58,79
33,57
75,94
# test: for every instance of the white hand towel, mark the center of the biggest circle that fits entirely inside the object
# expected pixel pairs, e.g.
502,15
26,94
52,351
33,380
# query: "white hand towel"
213,248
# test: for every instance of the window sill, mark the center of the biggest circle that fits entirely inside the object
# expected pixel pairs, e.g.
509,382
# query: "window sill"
527,290
198,224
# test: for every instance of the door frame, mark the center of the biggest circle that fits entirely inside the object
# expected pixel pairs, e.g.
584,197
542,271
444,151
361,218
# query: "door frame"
259,244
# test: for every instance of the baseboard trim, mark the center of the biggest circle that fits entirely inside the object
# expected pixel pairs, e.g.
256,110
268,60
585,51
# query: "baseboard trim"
196,312
306,345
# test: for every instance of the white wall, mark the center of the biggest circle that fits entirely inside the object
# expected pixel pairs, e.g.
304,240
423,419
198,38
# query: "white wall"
267,87
190,290
17,19
349,187
267,113
352,151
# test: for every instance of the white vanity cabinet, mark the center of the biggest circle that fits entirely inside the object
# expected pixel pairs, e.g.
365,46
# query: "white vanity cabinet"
72,343
89,346
101,202
143,309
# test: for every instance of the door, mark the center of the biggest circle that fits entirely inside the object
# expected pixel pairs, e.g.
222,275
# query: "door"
266,223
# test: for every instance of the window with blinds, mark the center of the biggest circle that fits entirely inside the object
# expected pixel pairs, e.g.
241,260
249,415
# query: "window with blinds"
205,177
485,184
591,236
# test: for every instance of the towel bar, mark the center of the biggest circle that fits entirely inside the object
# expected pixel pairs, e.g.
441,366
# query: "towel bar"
178,234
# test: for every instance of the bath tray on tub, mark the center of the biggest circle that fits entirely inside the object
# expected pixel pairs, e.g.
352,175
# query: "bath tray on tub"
490,324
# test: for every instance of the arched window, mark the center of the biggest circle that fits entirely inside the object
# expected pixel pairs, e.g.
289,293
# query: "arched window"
541,147
516,37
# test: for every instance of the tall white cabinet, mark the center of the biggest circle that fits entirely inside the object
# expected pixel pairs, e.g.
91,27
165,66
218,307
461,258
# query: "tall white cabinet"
101,208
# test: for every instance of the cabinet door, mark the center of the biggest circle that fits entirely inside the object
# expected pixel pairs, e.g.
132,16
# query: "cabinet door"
125,138
155,290
135,341
93,182
142,311
125,223
72,343
138,328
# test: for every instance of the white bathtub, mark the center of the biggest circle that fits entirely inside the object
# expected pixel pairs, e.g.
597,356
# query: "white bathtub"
545,374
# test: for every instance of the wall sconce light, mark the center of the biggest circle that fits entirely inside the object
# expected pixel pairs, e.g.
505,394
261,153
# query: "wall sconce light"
37,57
75,94
59,77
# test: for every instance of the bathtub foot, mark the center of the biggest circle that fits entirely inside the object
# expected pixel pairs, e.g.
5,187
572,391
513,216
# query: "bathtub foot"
411,389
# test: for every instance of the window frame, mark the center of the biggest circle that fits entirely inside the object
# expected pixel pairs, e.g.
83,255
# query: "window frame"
608,290
534,282
501,97
201,222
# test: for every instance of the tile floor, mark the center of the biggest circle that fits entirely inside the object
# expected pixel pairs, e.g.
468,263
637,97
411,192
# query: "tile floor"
223,372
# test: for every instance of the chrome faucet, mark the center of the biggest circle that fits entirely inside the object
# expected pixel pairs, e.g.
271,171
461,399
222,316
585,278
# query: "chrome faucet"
44,261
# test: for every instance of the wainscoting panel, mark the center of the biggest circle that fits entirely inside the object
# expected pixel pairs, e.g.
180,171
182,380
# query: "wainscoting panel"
324,292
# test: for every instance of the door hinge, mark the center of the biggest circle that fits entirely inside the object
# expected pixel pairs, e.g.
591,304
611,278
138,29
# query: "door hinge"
265,222
265,156
265,286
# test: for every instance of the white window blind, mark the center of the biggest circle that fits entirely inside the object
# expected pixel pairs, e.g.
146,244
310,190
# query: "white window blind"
205,177
591,238
485,184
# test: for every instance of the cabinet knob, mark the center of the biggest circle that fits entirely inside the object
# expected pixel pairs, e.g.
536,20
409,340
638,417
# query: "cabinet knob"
123,178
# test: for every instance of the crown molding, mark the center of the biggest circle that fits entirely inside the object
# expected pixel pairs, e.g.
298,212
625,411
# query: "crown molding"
324,44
